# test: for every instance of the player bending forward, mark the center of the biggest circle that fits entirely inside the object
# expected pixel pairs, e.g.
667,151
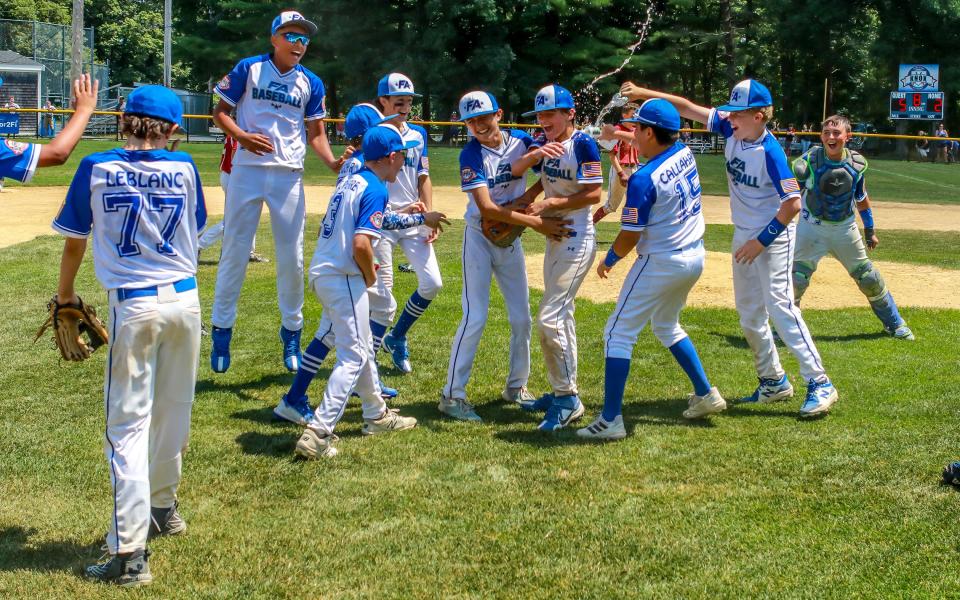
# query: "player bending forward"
340,273
494,194
832,178
764,199
143,206
663,220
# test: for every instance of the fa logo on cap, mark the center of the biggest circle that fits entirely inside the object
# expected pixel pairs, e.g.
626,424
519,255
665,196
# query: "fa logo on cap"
296,17
541,100
473,105
403,84
735,96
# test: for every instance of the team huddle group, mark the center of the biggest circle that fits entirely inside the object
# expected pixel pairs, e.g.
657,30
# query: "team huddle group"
143,206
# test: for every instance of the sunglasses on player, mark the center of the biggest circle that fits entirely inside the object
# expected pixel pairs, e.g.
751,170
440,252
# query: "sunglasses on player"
293,38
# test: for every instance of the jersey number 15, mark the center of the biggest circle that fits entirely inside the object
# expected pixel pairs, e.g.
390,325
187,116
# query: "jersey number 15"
689,195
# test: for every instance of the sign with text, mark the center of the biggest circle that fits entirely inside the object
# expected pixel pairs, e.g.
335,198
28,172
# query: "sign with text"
919,78
916,105
9,124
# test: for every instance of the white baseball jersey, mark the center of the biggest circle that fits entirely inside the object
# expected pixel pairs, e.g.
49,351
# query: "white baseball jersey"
565,176
405,190
482,166
273,104
18,160
147,205
356,206
663,201
350,166
758,174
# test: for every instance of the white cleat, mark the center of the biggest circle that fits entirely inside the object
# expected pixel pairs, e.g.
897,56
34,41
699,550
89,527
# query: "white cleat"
708,404
601,429
313,446
389,421
459,409
518,395
902,333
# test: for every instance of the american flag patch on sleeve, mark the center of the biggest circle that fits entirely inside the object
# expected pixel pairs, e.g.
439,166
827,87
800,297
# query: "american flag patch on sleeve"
591,169
790,185
629,215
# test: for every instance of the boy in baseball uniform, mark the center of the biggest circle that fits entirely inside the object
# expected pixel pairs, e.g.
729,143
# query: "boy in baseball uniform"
663,220
570,176
279,107
623,162
143,206
340,273
764,199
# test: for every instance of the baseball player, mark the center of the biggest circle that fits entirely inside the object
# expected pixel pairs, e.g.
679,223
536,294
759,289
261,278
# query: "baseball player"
395,94
764,199
832,178
623,163
279,105
493,193
663,220
340,273
571,178
143,206
20,161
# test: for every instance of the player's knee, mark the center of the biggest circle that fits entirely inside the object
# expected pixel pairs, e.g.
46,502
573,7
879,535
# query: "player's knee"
869,280
521,322
802,273
668,333
430,286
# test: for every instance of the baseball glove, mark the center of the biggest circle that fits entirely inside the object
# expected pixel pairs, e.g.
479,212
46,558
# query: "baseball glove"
500,233
70,322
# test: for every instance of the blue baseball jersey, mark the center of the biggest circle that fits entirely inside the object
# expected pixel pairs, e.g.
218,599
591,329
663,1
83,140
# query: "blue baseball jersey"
406,190
143,208
566,175
758,175
356,207
482,166
18,160
273,104
663,201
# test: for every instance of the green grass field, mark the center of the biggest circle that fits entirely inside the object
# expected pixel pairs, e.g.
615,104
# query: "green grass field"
753,503
889,180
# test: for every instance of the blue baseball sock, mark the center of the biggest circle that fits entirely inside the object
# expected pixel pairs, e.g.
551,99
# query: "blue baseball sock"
411,312
378,331
689,361
614,382
312,358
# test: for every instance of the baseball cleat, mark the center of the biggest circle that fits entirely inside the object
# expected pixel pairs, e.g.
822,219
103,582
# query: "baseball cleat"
951,474
298,411
258,258
129,569
398,352
314,446
902,333
165,521
821,395
459,409
563,411
389,421
518,395
291,348
770,390
708,404
220,354
601,429
541,404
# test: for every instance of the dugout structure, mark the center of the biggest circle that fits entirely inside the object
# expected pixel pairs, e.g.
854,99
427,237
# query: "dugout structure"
22,79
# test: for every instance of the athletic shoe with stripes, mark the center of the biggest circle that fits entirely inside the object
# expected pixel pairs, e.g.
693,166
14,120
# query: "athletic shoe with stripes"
902,333
541,404
601,429
458,408
518,395
166,521
297,411
398,352
314,446
220,354
291,348
389,421
771,390
563,411
708,404
821,395
129,569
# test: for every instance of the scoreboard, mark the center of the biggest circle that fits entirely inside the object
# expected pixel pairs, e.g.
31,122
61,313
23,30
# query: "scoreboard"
916,105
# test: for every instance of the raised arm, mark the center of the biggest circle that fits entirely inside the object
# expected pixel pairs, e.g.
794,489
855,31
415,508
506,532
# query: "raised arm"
688,110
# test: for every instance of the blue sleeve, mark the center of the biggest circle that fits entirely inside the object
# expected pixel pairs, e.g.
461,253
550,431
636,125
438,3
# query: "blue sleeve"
589,169
860,191
316,105
471,168
232,87
18,160
201,213
393,221
76,215
524,138
424,167
779,171
370,210
641,196
719,123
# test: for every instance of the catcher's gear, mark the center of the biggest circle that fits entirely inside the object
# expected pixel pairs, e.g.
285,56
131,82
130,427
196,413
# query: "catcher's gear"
951,474
503,234
70,322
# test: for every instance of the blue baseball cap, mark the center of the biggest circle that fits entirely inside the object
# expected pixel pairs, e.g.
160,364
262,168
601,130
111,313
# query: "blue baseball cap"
748,94
657,112
291,16
361,118
381,140
475,104
396,84
550,98
155,101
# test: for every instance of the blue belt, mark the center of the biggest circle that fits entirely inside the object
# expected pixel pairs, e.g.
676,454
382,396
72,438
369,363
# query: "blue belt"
184,285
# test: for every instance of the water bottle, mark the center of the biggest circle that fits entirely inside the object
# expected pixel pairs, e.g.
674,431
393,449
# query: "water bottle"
618,100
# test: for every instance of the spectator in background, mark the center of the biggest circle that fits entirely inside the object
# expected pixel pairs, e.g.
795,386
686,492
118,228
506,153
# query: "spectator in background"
923,146
46,120
788,139
11,103
121,105
942,146
340,128
805,140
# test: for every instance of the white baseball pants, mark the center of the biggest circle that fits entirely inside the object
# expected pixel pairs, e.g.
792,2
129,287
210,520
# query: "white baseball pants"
616,190
655,291
150,377
481,262
764,290
346,310
565,264
383,305
842,240
282,191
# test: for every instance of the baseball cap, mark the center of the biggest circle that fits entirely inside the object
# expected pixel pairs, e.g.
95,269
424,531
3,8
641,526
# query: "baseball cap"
658,113
395,84
381,140
291,16
155,101
551,97
361,118
475,104
748,94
